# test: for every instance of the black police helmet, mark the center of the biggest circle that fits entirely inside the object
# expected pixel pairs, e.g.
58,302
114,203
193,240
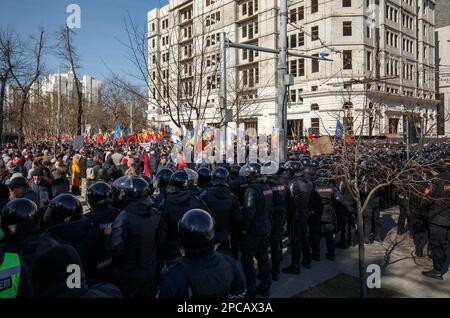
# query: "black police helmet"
306,162
315,164
192,176
163,177
149,182
64,208
133,188
179,180
235,169
294,166
196,229
220,175
19,216
99,193
204,175
323,173
250,170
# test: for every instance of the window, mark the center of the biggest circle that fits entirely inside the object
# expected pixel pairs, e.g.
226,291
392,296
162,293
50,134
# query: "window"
347,56
301,67
153,43
393,125
293,41
369,61
314,88
293,15
347,105
314,106
293,95
315,33
300,93
153,27
315,64
314,6
346,3
301,39
368,32
347,28
244,31
244,9
315,126
293,68
301,13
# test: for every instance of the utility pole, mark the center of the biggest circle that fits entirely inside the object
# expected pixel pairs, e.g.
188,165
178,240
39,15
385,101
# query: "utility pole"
58,112
407,138
282,72
223,96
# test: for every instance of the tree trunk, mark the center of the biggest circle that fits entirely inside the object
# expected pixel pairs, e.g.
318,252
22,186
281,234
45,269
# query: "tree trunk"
21,134
361,253
2,106
79,115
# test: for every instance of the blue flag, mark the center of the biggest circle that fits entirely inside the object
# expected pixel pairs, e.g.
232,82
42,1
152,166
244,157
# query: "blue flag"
117,132
339,129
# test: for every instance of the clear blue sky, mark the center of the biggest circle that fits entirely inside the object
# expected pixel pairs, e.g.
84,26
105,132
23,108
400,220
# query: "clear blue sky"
102,23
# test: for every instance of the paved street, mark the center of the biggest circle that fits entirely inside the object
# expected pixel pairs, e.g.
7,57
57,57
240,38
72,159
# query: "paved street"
402,275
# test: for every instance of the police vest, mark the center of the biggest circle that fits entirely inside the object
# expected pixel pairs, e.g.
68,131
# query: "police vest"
9,276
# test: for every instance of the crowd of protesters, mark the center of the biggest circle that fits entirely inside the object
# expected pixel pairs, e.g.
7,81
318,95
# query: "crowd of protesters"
156,227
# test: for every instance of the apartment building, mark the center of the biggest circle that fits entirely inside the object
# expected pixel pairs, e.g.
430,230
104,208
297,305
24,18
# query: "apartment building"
383,55
443,66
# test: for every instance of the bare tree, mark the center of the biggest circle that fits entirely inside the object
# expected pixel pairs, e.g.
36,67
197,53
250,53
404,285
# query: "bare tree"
26,67
8,44
182,74
68,53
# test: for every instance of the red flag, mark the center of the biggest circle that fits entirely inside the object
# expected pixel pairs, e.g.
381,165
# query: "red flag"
349,139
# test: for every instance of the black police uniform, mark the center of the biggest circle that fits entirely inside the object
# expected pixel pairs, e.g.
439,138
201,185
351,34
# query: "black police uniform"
256,214
329,196
136,233
279,190
177,203
300,199
25,241
224,208
202,272
439,221
103,268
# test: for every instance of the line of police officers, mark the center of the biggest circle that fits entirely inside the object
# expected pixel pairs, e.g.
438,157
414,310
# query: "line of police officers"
202,230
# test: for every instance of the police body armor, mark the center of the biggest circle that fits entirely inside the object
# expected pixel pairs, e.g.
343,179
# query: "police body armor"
301,191
279,189
326,193
260,225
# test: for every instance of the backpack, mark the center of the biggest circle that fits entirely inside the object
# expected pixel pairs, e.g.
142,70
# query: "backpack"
90,173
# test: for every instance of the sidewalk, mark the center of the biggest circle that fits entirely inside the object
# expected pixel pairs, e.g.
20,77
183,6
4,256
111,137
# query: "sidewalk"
403,274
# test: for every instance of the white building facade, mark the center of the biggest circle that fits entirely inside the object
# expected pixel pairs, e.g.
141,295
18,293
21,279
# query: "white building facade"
383,54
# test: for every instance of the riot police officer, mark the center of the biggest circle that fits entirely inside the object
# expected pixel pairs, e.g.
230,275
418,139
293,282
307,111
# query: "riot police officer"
204,178
299,203
20,223
68,226
329,196
279,188
102,214
201,272
224,207
439,222
134,237
161,182
179,200
256,214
